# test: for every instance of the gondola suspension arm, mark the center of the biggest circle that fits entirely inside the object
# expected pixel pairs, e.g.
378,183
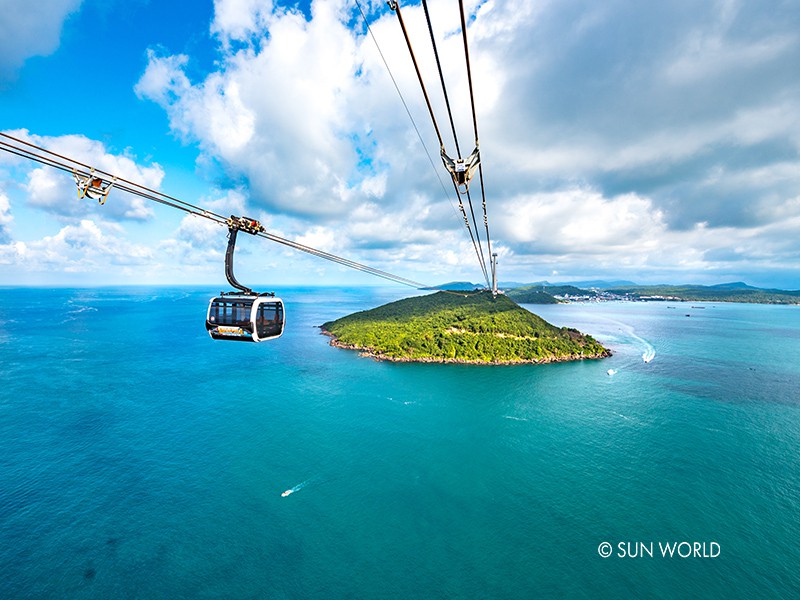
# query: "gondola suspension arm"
235,225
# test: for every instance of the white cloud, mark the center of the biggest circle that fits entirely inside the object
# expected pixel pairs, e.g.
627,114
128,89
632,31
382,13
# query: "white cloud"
581,221
275,111
237,20
712,48
83,247
319,237
197,248
55,191
5,218
163,80
622,135
27,31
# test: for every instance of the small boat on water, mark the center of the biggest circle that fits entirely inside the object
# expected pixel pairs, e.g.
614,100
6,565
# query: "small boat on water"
286,493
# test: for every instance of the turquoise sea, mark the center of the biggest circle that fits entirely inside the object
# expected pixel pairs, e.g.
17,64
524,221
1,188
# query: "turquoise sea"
140,459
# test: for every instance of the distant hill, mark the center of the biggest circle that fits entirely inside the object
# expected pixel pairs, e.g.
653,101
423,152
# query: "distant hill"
736,285
725,292
446,327
531,296
593,283
545,294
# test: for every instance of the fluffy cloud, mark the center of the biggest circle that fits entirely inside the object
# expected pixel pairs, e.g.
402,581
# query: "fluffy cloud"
580,221
662,101
86,246
26,32
55,191
199,244
239,20
5,219
622,135
303,110
275,112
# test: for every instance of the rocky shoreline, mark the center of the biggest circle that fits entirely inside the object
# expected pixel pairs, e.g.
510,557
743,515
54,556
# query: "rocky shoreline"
378,356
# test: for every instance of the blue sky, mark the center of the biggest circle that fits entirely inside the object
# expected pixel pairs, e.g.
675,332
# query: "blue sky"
657,142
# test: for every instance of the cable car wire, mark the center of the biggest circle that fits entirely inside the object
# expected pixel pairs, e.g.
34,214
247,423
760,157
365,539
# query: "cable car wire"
405,106
168,200
453,128
424,146
51,159
394,5
474,120
441,76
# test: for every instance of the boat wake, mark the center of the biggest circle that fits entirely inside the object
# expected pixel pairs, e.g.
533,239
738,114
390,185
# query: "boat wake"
74,314
649,351
81,309
514,418
296,488
649,354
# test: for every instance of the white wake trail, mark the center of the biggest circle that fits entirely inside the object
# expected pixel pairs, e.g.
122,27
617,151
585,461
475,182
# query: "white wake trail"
296,488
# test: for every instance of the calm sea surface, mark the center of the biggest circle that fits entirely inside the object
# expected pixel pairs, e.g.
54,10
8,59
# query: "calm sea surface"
140,459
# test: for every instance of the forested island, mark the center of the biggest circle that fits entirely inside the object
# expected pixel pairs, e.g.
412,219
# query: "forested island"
473,328
540,294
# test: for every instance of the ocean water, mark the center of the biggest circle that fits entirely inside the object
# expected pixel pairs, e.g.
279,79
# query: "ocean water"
140,459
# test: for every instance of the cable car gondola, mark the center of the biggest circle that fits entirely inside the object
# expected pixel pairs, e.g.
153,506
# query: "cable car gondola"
244,316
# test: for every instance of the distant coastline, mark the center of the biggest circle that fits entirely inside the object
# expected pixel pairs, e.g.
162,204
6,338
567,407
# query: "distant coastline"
546,293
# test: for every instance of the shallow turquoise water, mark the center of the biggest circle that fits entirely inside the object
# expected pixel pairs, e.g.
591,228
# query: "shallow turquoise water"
139,459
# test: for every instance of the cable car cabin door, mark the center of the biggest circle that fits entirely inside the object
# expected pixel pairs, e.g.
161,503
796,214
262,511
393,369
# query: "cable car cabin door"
269,319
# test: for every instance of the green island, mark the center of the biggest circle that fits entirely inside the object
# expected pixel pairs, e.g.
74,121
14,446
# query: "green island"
538,294
459,328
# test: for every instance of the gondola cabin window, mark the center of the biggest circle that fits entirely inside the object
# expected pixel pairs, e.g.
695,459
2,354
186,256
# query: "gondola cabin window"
230,313
269,320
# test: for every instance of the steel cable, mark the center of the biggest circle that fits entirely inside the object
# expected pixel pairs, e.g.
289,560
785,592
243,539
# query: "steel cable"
66,164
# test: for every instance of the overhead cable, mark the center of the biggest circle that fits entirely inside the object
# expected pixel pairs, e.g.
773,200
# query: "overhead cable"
394,5
453,128
405,106
45,157
474,120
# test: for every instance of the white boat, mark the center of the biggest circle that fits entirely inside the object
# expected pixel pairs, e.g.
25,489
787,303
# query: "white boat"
286,493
